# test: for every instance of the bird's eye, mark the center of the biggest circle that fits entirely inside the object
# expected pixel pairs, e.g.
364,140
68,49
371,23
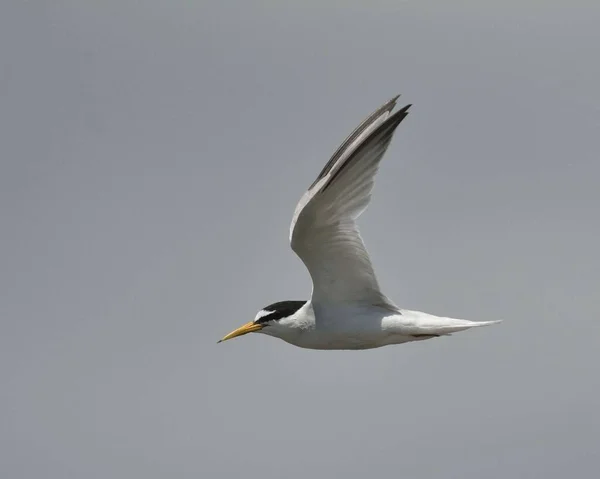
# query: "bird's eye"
263,321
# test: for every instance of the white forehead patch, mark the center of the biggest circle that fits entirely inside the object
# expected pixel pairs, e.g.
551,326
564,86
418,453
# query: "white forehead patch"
262,314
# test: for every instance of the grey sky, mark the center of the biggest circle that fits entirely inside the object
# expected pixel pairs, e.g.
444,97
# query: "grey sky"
152,156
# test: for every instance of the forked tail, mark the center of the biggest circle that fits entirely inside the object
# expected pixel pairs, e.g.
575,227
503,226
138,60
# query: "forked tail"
418,323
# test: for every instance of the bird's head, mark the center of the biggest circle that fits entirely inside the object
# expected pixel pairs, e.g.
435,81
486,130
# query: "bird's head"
268,320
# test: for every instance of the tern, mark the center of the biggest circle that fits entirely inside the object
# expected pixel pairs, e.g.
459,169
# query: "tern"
347,309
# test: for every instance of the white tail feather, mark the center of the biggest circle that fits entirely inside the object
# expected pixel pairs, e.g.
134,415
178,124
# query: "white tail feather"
415,322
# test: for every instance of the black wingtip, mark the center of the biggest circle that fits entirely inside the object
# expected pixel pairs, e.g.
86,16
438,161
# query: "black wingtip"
405,109
397,116
385,108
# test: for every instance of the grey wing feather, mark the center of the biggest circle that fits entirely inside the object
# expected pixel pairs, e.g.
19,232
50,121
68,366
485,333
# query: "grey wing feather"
324,233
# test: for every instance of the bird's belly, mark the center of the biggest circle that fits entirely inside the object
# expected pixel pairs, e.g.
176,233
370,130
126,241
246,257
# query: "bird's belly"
346,340
348,335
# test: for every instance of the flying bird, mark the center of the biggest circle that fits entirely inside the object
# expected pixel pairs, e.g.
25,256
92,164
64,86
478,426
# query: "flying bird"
347,309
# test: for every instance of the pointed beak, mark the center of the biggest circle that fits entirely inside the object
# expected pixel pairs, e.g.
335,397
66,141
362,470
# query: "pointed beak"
250,327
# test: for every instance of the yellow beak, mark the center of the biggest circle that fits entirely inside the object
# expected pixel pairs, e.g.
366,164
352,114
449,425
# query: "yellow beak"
245,329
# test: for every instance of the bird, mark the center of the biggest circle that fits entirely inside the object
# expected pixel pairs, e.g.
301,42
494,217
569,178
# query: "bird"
347,309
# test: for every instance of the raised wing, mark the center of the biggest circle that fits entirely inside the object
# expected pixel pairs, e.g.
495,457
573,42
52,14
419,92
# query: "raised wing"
324,233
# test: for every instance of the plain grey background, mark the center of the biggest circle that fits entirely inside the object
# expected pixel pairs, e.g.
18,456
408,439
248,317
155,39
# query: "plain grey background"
152,153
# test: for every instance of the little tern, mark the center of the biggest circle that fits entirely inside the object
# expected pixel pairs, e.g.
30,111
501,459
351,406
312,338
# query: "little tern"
347,309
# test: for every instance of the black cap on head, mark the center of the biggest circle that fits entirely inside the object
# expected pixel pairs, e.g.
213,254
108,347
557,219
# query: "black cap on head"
275,311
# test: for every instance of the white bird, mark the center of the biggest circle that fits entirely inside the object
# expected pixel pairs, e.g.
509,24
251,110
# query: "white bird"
347,309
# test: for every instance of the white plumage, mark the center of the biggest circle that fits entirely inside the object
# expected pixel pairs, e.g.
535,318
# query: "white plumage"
347,309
